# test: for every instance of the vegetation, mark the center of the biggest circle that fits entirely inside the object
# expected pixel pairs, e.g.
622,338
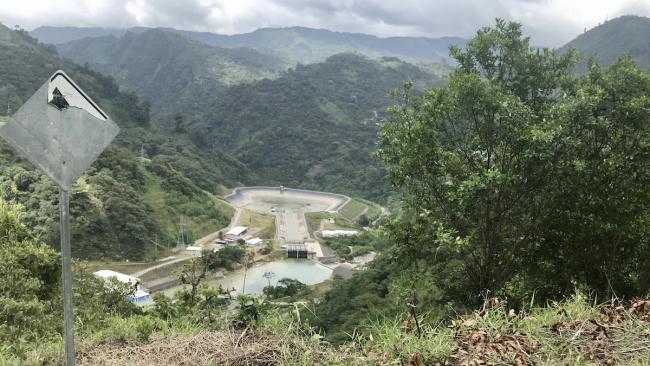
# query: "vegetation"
608,41
522,236
294,44
351,246
287,287
185,71
311,126
535,186
138,189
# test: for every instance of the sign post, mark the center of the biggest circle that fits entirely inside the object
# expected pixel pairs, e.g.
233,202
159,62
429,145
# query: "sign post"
61,131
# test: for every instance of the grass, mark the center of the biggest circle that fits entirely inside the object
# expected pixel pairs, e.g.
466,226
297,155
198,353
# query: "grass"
263,223
314,219
196,226
572,332
358,206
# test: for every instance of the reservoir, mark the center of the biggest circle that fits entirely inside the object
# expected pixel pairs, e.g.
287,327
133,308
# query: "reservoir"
307,272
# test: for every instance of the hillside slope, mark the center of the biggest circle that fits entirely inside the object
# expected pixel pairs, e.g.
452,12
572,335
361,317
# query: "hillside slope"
313,127
614,38
112,214
296,44
173,72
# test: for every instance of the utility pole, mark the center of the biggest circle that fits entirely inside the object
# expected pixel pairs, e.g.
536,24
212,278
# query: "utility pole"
142,156
180,240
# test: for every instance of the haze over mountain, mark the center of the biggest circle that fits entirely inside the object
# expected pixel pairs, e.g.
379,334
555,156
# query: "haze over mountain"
173,73
294,44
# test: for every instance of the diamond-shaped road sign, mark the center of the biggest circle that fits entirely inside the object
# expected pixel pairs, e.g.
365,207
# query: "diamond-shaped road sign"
60,130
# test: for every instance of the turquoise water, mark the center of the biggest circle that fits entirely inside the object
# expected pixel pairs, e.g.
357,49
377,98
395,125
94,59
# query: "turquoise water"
305,271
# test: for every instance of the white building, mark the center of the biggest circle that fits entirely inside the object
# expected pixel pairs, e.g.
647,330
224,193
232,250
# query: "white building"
254,241
337,233
194,251
139,297
235,232
109,275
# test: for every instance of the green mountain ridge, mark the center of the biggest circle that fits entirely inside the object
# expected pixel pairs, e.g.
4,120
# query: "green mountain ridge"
614,38
312,126
113,213
174,73
296,44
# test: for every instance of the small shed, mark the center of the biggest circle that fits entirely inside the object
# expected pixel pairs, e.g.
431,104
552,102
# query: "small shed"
236,231
338,233
109,275
194,250
254,241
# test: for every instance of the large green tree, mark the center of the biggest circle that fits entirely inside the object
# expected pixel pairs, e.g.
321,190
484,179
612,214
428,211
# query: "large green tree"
517,177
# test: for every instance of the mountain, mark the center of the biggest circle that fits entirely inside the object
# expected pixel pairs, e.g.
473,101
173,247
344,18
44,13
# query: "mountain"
138,188
295,44
315,126
176,74
614,38
57,35
312,126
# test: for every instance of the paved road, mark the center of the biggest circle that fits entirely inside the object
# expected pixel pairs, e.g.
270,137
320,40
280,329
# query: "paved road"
291,225
161,265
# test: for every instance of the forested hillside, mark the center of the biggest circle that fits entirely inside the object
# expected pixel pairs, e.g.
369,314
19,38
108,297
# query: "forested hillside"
295,44
174,73
138,188
610,40
312,126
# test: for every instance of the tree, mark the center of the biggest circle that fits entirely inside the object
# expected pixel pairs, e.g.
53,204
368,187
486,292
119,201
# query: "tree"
268,275
515,164
195,271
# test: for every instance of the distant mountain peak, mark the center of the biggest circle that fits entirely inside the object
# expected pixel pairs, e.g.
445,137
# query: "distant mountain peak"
296,44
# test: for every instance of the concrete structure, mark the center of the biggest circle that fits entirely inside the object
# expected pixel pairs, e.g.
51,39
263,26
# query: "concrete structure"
338,233
254,241
195,251
314,249
235,232
109,275
296,250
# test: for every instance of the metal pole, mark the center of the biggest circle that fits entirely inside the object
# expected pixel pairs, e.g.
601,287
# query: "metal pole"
64,209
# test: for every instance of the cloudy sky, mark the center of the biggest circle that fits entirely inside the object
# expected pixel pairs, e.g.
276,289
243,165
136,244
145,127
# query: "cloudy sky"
549,22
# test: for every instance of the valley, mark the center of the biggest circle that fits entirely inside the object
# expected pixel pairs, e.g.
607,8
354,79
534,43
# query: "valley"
288,206
300,196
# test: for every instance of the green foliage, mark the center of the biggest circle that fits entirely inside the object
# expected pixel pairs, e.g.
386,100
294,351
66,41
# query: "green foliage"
612,39
124,330
30,290
286,287
533,180
351,246
251,309
175,73
116,209
312,126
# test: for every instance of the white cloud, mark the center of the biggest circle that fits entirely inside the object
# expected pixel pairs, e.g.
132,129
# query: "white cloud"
549,22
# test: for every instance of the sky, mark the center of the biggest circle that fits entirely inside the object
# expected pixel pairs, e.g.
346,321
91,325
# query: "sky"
549,23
